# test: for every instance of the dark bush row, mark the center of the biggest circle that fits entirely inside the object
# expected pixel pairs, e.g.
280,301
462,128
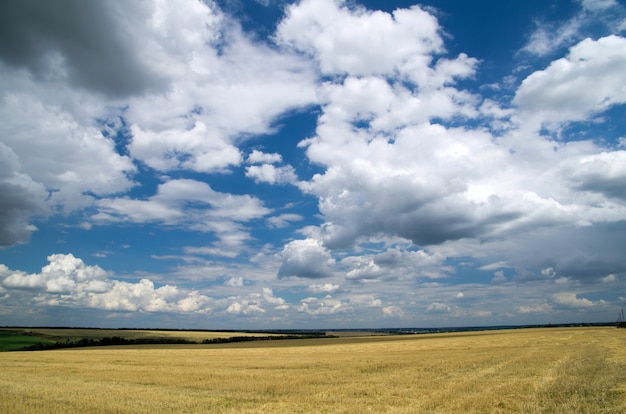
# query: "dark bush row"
258,338
106,341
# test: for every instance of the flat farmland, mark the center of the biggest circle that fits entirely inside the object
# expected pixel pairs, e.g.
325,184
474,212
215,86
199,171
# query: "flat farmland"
542,370
65,334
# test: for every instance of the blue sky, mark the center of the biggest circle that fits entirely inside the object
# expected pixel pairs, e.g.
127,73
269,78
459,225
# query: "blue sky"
249,164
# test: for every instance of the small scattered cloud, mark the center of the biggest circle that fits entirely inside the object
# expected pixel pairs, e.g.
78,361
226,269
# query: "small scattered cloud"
283,220
498,278
259,157
323,288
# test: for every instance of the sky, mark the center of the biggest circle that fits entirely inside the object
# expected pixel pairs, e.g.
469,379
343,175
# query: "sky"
274,164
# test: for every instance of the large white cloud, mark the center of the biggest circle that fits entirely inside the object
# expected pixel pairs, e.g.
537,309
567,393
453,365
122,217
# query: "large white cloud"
359,41
54,149
89,91
574,88
68,281
215,99
394,168
63,274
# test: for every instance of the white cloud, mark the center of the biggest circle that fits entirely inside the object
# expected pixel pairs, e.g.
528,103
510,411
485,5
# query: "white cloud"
323,288
438,307
593,15
259,157
498,278
392,311
256,303
396,264
192,205
541,308
570,300
174,204
598,5
268,173
493,266
403,190
325,306
283,220
196,149
548,37
388,174
305,258
174,87
609,278
574,88
68,281
420,186
234,282
64,273
56,151
359,41
603,173
215,98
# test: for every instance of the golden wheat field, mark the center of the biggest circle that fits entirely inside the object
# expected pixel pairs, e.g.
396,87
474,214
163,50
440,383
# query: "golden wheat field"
549,370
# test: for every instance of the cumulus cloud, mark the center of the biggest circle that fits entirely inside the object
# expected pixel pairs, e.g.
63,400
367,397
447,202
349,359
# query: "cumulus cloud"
499,278
188,203
268,173
541,308
64,273
392,311
396,264
22,199
57,152
323,288
325,306
259,157
570,300
603,173
88,91
425,186
215,98
438,307
359,41
305,258
412,173
574,88
256,303
68,281
196,148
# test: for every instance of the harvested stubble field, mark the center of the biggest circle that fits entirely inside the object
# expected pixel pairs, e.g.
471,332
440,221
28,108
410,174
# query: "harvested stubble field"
551,370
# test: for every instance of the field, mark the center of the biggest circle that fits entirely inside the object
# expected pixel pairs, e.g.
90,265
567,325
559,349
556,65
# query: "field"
542,370
71,335
13,340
